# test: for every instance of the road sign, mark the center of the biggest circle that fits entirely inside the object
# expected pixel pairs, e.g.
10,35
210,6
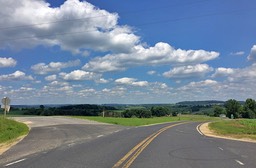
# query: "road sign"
6,104
6,101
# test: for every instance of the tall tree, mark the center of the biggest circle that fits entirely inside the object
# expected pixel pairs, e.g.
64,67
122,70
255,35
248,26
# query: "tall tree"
249,110
232,108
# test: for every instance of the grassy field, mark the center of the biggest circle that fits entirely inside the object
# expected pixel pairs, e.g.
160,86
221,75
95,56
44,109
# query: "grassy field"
241,128
146,121
10,129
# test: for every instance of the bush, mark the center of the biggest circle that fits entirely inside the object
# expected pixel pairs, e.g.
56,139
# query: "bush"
160,111
139,113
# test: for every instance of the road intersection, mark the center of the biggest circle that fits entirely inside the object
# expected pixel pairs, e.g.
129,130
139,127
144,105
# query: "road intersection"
104,145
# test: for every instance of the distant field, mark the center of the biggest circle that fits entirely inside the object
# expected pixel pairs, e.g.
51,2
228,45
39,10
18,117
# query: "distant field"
10,129
146,121
241,128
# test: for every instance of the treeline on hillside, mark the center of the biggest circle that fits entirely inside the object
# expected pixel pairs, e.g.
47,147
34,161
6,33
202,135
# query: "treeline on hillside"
231,108
201,103
156,111
80,110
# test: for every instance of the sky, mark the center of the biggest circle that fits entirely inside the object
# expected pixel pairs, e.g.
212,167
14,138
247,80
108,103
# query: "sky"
129,52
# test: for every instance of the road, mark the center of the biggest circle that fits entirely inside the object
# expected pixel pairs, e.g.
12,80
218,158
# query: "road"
177,145
51,132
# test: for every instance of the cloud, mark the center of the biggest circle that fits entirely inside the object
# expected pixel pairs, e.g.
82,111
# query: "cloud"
238,75
198,86
189,71
16,76
221,72
74,26
131,81
42,68
252,55
51,77
244,75
7,62
101,80
160,54
238,53
151,72
79,75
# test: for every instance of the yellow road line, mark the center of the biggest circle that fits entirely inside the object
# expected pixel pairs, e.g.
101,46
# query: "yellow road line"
136,151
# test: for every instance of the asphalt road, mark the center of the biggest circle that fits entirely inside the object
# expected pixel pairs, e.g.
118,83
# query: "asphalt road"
48,133
165,145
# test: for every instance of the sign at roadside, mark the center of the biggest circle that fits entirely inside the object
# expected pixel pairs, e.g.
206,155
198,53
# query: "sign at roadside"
6,104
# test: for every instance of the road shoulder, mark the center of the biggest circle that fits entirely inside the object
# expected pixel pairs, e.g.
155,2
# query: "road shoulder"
7,145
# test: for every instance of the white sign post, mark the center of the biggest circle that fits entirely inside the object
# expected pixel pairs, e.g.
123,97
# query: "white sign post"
6,105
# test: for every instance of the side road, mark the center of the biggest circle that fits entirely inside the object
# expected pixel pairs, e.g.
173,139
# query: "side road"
51,132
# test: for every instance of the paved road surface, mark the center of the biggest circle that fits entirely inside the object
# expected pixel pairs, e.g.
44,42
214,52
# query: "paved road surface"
164,146
51,132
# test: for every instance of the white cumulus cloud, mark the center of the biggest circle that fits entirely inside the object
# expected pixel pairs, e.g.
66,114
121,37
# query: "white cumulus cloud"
42,68
7,62
74,26
160,54
131,81
16,76
252,55
189,71
51,77
79,75
221,72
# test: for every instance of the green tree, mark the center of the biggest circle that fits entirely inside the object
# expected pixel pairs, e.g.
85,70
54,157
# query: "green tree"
249,109
139,113
218,111
41,107
232,108
159,111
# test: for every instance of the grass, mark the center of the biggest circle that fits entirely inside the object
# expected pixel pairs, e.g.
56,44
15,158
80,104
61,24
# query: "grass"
10,129
240,128
146,121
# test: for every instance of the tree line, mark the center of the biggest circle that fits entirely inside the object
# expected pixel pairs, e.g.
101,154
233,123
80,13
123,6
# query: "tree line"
155,111
79,110
231,108
234,109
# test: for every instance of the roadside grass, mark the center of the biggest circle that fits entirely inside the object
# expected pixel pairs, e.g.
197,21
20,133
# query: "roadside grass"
240,128
10,129
146,121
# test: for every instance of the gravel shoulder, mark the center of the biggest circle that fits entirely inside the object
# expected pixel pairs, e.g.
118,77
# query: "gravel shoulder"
207,132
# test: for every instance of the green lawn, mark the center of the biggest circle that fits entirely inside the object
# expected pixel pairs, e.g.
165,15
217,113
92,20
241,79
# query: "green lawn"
146,121
240,128
10,129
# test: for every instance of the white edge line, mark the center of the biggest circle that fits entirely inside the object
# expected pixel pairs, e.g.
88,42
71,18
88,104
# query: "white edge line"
100,136
221,148
239,162
198,130
12,163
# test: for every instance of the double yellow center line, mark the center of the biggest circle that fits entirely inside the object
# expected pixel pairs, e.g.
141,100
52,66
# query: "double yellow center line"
129,158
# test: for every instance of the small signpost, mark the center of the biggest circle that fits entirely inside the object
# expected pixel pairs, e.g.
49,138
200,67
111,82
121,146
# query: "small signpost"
6,105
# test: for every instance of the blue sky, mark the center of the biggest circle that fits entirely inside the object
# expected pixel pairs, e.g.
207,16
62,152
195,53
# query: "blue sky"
56,51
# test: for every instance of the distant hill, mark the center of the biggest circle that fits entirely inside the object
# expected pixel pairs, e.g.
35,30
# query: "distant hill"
201,103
